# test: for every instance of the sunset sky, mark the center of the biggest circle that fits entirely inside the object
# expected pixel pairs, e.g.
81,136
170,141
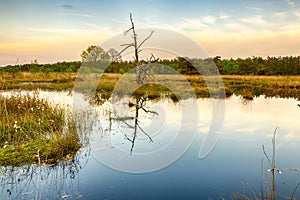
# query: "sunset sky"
59,30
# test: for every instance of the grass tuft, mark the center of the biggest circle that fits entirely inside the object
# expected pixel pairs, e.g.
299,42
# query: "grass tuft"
32,130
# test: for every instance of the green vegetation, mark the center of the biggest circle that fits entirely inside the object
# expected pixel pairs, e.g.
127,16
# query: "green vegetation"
289,65
34,131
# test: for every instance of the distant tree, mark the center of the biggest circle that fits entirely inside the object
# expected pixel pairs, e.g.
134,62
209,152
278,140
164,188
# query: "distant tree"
230,67
14,70
85,53
219,63
94,54
114,55
34,66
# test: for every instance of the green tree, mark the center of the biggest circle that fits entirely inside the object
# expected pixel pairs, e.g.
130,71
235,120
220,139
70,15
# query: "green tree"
230,67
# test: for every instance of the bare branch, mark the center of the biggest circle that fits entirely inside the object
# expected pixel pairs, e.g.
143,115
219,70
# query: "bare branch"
152,58
145,133
263,147
149,111
127,138
122,51
125,32
129,126
145,39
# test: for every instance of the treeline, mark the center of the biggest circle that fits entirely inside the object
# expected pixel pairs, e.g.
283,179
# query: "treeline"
289,65
45,68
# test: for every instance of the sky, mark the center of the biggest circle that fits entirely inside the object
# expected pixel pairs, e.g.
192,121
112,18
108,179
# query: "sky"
59,30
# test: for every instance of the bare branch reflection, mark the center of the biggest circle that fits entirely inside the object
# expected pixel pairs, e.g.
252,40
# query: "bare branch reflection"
139,105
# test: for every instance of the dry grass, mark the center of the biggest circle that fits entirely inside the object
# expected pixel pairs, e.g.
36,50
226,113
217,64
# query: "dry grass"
245,86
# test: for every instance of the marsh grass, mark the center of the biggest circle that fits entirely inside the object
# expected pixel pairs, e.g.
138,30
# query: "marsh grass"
269,192
247,87
33,130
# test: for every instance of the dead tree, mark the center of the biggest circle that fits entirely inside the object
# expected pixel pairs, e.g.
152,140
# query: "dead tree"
141,72
139,105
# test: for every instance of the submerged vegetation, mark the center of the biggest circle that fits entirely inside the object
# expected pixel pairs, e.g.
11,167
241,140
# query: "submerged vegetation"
33,130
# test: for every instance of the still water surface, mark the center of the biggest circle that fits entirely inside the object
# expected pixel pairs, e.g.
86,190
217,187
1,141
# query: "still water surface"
234,165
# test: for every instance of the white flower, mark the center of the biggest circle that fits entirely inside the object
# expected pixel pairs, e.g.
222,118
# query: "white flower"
31,108
4,146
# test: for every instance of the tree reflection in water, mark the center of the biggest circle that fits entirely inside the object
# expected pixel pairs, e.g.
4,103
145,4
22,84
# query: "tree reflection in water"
140,104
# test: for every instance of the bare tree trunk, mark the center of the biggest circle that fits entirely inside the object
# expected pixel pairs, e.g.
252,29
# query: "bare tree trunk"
136,53
140,73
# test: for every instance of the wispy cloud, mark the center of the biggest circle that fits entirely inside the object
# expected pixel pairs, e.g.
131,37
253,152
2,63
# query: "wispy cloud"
289,2
51,30
280,14
297,13
209,19
257,9
94,26
256,20
223,16
197,24
67,6
191,24
291,136
76,14
234,27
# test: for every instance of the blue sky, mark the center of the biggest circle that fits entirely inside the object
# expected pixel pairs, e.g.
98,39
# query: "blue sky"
57,30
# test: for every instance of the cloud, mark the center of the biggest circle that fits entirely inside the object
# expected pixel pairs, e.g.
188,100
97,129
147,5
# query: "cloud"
209,19
289,2
280,14
291,136
91,25
197,24
76,14
297,14
67,6
191,24
234,27
248,130
223,16
256,21
257,9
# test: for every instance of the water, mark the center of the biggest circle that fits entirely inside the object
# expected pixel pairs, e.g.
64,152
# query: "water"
233,166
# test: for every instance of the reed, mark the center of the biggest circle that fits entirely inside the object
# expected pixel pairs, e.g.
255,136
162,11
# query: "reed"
30,125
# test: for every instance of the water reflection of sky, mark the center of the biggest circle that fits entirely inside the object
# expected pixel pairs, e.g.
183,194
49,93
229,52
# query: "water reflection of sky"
234,165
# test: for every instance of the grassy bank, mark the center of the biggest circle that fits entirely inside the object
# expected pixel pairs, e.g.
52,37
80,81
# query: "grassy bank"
245,86
34,131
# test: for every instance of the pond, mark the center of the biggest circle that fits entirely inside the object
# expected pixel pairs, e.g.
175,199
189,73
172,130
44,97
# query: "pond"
234,166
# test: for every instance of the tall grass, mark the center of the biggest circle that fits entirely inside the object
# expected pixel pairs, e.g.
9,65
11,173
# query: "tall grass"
32,130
